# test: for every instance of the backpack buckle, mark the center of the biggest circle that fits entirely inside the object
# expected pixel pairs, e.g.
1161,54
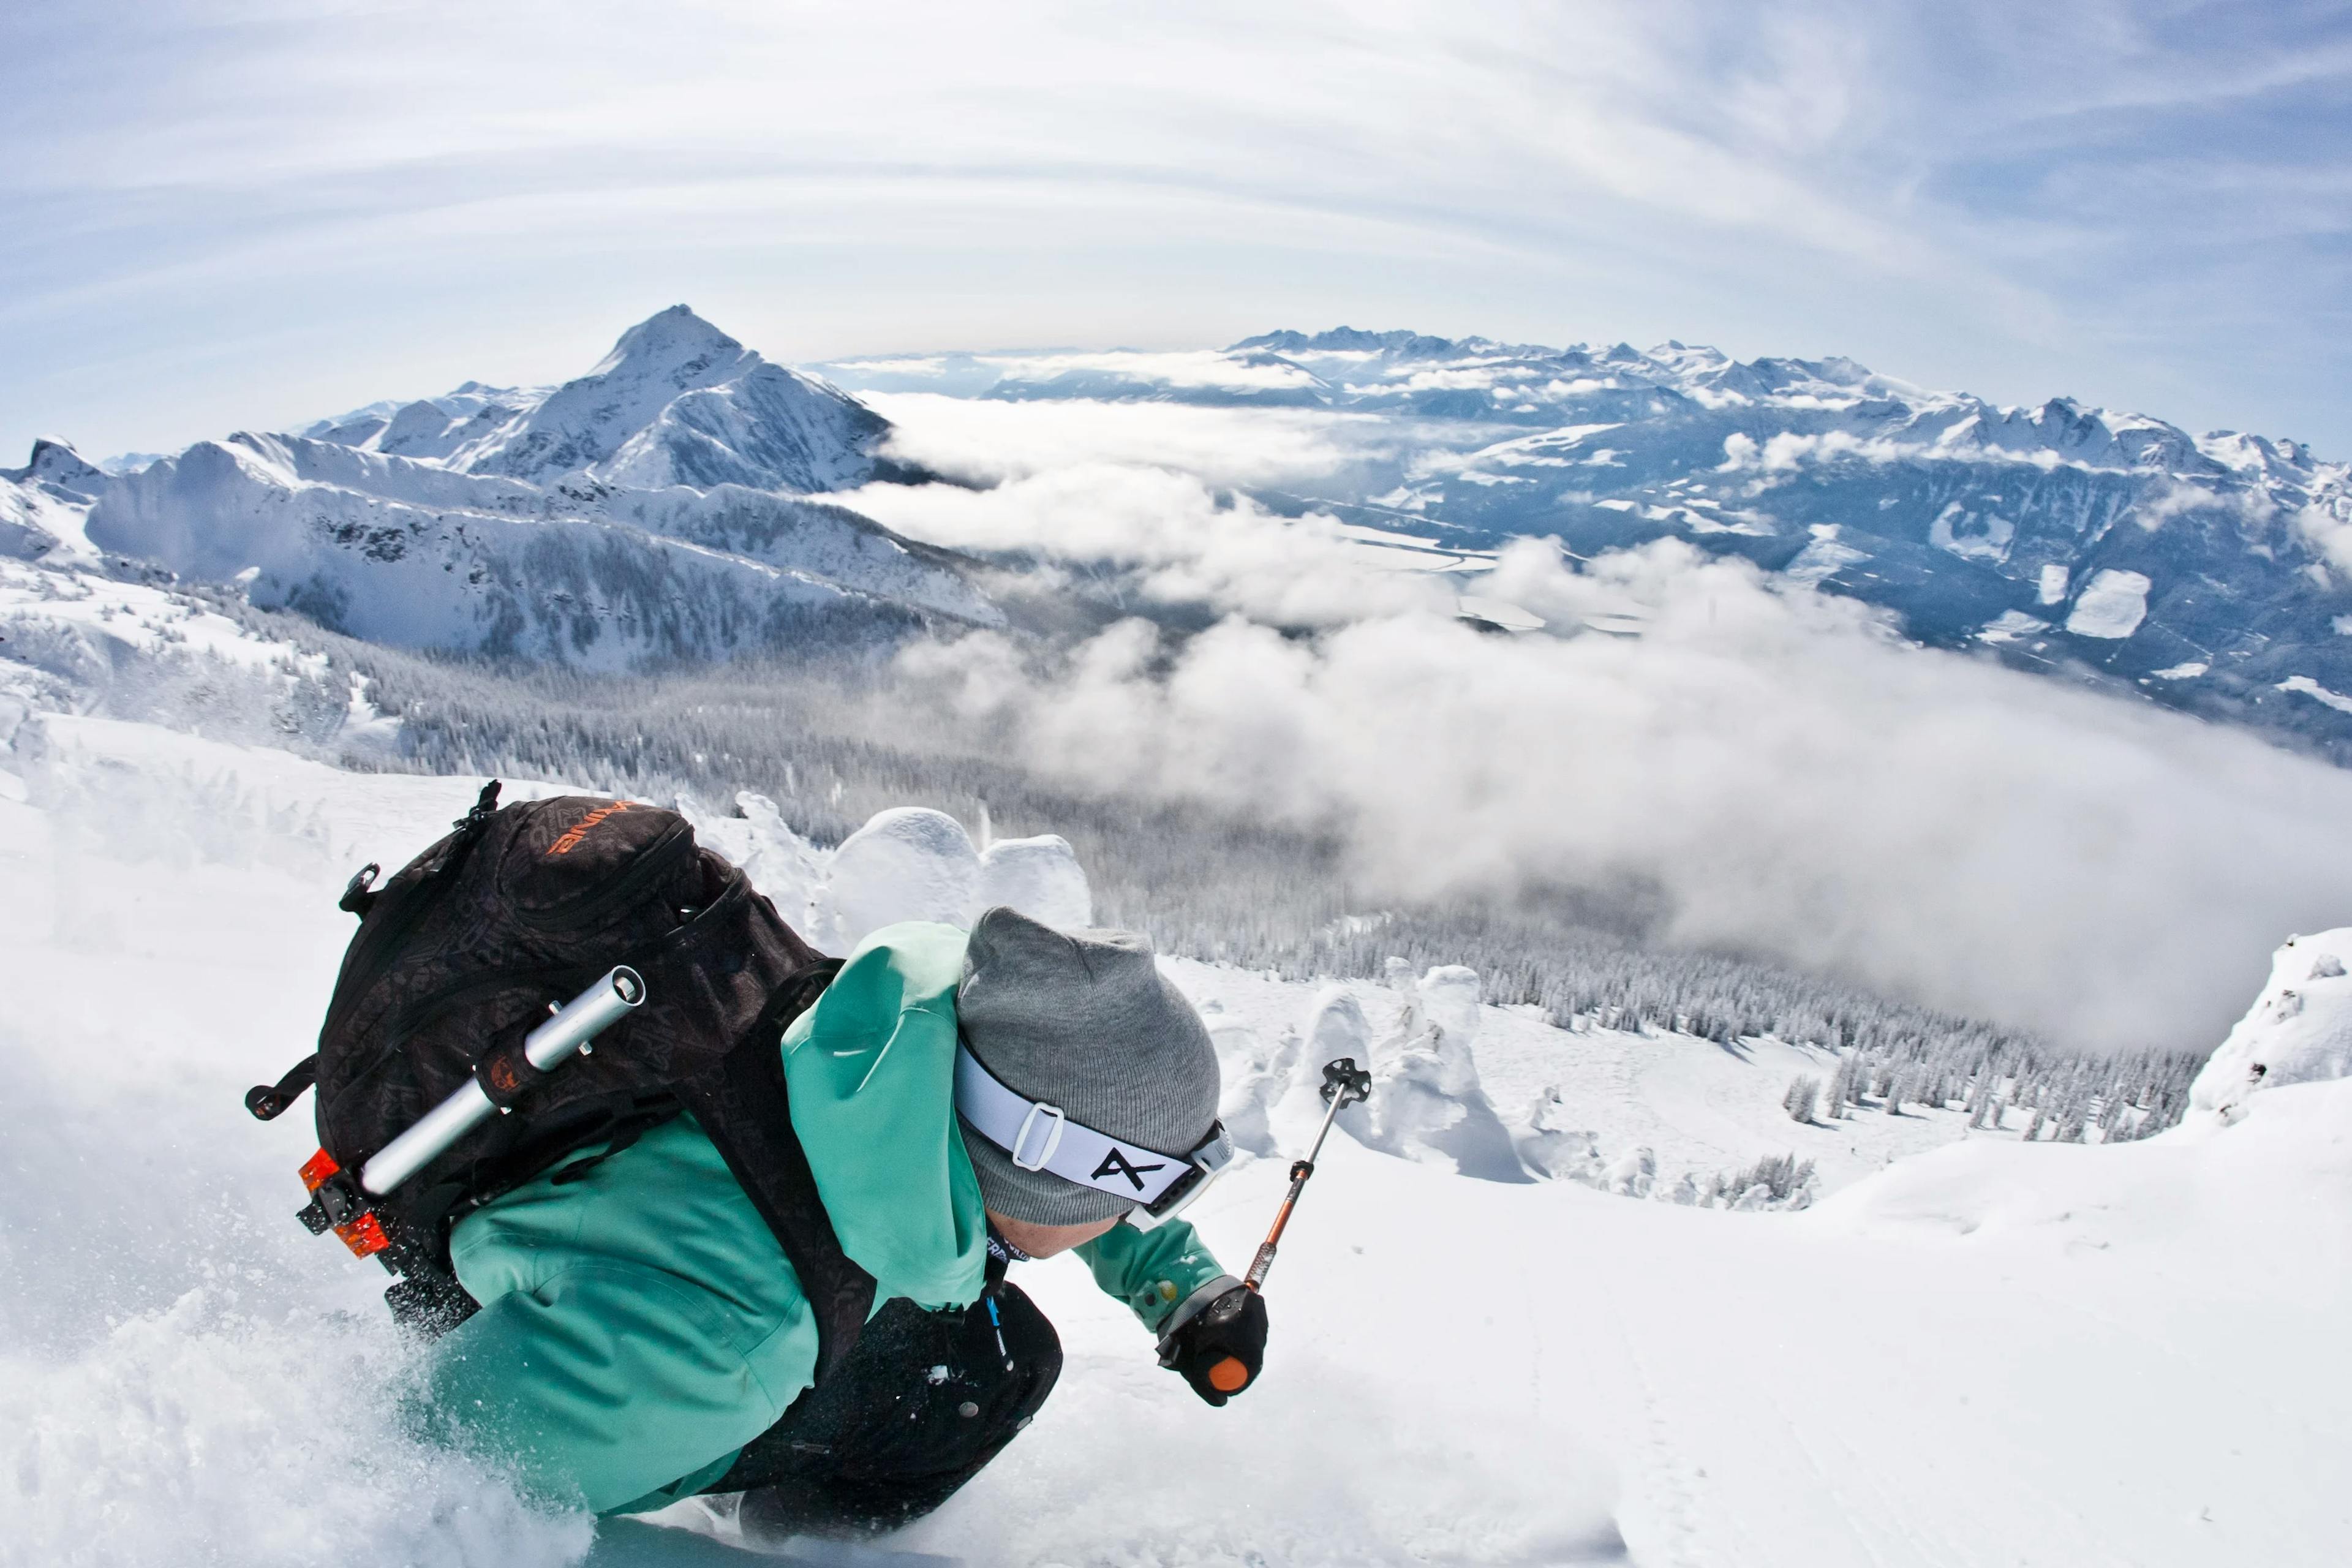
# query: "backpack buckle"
358,893
337,1203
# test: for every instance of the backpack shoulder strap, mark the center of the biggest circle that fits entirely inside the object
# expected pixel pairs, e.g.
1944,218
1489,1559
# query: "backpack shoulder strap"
745,1109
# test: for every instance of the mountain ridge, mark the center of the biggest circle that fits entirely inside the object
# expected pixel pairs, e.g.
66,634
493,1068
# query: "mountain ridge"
662,506
2205,572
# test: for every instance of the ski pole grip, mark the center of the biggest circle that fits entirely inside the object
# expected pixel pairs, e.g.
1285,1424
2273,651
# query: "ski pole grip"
1264,1261
1230,1375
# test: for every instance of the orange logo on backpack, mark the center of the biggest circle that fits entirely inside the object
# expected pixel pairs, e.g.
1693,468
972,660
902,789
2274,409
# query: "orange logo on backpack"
571,841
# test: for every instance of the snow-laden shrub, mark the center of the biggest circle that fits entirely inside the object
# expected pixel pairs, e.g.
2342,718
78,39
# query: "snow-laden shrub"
1427,1103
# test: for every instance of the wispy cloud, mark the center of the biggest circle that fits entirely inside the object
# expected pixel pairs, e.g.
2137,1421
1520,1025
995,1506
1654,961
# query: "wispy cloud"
420,192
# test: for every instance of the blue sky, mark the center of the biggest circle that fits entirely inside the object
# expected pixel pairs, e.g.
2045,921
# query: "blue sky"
245,213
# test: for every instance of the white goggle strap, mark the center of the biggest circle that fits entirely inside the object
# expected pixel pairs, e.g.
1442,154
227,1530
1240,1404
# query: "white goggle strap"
1041,1137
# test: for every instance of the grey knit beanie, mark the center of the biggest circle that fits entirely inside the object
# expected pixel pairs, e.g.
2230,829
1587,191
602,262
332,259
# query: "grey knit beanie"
1082,1020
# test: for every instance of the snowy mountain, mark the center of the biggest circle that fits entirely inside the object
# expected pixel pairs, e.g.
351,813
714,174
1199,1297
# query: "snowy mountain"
652,507
399,551
678,402
2209,574
662,504
43,503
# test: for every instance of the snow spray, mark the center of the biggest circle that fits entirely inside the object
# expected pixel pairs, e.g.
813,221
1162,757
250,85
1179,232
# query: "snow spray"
1344,1083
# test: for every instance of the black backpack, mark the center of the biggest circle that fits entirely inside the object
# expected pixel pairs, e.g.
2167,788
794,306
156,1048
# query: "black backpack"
463,951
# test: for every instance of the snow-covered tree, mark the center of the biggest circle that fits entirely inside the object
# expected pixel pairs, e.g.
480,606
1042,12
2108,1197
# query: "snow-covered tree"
1804,1093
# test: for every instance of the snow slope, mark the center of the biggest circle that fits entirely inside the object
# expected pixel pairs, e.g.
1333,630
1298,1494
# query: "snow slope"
403,552
1993,1354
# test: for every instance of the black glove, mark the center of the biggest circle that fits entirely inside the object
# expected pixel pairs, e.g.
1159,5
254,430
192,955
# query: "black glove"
1219,1349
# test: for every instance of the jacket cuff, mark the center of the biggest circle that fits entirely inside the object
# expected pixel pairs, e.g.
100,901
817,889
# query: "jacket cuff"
1191,1306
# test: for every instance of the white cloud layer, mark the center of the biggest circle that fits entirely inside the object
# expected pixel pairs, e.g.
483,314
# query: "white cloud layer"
1799,783
976,439
1143,490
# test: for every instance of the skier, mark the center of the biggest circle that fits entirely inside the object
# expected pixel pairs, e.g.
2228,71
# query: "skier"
964,1102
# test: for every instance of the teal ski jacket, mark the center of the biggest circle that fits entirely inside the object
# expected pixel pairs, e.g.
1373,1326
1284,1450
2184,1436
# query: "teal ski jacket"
640,1324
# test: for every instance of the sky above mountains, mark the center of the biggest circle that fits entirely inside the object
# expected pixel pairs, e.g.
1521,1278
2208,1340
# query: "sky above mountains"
240,212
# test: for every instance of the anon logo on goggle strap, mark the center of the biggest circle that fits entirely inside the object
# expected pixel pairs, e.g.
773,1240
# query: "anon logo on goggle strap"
1114,1164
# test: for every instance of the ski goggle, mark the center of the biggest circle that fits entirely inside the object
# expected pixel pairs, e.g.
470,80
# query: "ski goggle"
1039,1137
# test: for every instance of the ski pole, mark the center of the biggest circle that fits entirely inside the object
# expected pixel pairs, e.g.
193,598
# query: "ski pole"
1343,1084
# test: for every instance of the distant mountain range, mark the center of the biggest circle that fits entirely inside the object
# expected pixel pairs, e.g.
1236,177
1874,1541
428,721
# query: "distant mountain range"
2209,574
670,503
653,507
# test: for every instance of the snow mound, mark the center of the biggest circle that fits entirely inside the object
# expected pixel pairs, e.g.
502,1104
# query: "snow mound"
1040,876
2284,1176
908,863
1549,1143
2299,1030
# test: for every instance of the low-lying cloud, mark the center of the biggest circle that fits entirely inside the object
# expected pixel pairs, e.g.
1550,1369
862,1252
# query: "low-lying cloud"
1799,780
1147,489
976,439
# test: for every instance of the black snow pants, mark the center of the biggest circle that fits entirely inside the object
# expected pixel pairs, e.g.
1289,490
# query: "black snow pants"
924,1401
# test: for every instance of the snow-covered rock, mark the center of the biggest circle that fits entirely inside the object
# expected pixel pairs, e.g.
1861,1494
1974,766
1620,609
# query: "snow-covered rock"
1040,876
650,510
2299,1030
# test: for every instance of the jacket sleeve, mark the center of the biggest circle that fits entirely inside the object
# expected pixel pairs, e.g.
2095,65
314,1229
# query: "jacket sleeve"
1153,1271
615,1385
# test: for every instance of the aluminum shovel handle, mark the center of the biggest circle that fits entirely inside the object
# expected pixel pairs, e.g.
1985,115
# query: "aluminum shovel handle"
574,1024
